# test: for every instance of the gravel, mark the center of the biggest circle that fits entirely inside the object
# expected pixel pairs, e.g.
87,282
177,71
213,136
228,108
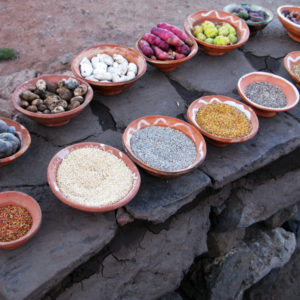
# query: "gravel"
163,148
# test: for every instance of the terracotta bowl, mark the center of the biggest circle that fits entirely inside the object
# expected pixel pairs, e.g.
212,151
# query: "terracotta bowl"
216,140
292,28
51,120
57,159
165,121
217,16
110,88
23,135
168,65
292,59
290,91
253,26
27,202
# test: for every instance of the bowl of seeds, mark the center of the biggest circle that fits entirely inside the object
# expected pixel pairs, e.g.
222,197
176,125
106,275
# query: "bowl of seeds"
223,120
93,177
292,65
164,146
267,93
20,219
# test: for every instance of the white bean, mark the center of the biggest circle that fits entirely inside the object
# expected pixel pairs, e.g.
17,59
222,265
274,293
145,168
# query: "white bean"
132,67
86,69
103,76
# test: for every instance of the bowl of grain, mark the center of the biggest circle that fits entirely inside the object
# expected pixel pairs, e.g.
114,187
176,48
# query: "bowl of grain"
223,120
164,146
21,218
93,177
267,93
292,65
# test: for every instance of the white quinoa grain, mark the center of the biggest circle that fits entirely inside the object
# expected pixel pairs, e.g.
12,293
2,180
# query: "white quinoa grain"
93,177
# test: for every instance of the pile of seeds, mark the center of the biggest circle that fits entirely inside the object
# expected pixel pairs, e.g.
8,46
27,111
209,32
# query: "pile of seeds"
266,94
15,222
296,70
92,177
163,148
53,98
223,120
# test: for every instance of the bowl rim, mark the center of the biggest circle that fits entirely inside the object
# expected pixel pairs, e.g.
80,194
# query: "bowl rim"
280,15
286,63
60,155
210,99
34,227
194,50
16,96
269,12
241,92
159,172
23,147
108,84
187,26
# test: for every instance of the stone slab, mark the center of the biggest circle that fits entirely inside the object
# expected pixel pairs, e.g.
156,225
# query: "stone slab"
145,265
158,198
84,125
152,94
265,43
66,239
277,136
212,74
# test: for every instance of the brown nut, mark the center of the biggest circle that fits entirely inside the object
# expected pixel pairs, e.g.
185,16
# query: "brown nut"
37,102
64,93
46,111
42,107
77,98
52,87
32,88
32,108
24,103
39,112
41,93
63,103
73,105
52,99
29,96
61,83
57,109
41,85
81,90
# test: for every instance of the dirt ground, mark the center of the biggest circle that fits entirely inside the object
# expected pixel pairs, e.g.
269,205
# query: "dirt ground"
42,31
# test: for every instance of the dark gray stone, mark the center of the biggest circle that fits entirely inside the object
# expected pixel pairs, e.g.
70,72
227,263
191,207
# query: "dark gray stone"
151,95
84,125
31,167
277,136
109,137
171,296
281,216
158,199
147,265
213,74
66,239
265,43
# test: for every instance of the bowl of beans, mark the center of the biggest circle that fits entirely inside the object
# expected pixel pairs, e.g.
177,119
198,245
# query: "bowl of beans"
20,219
267,93
109,68
93,177
292,65
223,120
14,140
164,146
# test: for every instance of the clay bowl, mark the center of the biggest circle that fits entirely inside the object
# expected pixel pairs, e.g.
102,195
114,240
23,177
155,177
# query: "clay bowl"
292,59
292,28
216,140
57,159
165,121
253,26
27,202
217,17
51,120
23,135
110,88
289,90
168,65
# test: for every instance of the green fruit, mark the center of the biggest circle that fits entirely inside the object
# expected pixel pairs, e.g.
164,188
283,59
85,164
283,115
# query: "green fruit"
197,29
232,38
209,41
201,36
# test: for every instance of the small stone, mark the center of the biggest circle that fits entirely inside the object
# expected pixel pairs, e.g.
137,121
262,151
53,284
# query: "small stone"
72,83
64,93
81,90
123,217
41,84
52,87
32,108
